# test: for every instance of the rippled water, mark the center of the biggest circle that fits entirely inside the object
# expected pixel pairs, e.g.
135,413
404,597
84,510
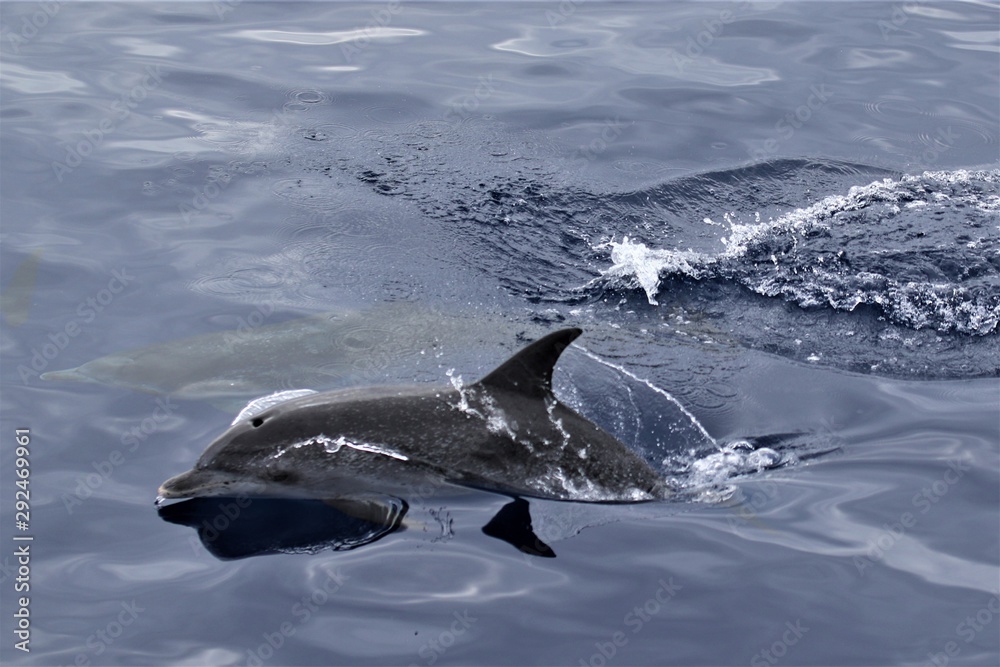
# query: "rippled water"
777,224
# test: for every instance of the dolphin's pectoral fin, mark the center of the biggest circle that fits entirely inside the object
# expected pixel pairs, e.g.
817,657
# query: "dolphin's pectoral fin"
530,370
512,524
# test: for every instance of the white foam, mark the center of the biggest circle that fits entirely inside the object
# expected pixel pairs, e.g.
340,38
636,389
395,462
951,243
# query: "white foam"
463,404
332,446
632,259
496,420
550,407
929,304
707,477
556,483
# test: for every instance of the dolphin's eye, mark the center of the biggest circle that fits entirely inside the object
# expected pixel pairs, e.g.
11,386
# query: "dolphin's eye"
257,422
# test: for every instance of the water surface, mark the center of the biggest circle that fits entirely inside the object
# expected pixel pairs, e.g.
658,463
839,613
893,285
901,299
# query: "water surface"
769,218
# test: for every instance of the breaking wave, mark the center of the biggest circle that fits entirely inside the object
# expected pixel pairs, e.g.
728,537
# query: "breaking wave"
922,249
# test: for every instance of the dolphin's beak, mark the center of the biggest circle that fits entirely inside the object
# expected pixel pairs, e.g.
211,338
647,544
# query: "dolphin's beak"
197,483
69,375
179,486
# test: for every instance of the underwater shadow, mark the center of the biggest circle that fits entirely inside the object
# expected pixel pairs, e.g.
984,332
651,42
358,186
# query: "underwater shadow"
232,528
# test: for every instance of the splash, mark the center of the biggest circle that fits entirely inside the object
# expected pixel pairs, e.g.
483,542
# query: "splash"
557,483
662,392
634,259
706,477
332,446
922,249
733,459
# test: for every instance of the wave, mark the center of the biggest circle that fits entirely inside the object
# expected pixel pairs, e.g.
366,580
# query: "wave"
923,249
821,261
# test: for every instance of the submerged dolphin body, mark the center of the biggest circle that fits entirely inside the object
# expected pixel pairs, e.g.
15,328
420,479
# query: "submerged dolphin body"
506,433
228,368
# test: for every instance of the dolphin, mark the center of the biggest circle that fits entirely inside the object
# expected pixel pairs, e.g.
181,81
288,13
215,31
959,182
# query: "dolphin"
506,433
228,368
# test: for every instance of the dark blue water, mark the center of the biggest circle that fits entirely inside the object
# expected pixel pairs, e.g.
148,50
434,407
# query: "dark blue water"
769,218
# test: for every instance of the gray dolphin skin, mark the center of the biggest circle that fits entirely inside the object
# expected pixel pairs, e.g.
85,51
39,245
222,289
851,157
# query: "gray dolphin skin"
228,368
506,433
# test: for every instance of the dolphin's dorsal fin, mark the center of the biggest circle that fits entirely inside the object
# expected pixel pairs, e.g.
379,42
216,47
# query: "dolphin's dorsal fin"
530,370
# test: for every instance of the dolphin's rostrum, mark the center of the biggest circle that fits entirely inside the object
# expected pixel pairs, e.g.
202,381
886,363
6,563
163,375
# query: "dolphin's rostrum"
506,433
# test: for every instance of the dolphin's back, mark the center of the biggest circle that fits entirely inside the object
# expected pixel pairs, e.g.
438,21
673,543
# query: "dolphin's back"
502,441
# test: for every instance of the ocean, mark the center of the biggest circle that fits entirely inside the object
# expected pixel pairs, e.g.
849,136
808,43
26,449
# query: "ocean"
777,223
